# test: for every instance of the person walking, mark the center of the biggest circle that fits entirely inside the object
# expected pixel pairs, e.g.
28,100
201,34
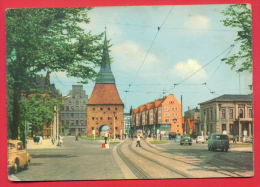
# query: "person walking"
138,143
106,137
76,137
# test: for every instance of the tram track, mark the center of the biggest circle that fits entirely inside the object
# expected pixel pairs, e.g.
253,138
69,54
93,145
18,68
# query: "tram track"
136,170
178,172
229,174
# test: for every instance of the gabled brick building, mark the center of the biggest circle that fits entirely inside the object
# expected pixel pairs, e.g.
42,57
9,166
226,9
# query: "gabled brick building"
105,107
162,115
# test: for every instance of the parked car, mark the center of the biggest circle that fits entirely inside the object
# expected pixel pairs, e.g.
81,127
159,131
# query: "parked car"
218,141
186,139
18,157
200,139
177,139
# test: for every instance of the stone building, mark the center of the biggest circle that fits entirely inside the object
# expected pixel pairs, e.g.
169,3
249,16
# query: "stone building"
230,114
105,109
127,123
73,111
160,116
192,121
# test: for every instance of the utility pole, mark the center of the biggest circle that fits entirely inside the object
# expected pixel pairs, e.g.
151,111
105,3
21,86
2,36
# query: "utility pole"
184,129
114,126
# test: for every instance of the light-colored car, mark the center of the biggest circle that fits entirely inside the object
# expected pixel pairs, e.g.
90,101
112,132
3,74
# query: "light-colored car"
200,139
18,157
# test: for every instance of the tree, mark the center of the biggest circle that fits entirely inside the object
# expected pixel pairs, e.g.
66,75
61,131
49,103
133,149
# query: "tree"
239,16
46,40
38,110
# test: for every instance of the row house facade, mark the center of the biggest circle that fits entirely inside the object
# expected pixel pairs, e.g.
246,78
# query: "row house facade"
228,114
160,116
73,111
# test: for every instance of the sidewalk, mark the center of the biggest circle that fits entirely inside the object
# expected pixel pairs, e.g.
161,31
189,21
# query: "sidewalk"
45,144
241,148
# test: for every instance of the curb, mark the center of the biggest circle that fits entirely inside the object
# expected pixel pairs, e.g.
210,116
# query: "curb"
128,174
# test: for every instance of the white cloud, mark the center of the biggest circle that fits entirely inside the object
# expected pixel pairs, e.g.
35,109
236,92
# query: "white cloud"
197,22
129,56
187,68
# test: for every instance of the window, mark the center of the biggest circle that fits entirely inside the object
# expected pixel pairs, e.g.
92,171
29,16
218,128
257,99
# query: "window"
77,122
108,108
72,107
72,122
224,127
178,126
250,113
77,102
93,109
116,108
109,118
101,118
67,108
101,108
174,120
167,120
72,115
241,113
93,118
223,113
116,117
231,113
211,114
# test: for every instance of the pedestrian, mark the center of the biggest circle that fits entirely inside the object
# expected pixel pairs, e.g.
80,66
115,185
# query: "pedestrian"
138,142
235,139
76,137
106,137
53,140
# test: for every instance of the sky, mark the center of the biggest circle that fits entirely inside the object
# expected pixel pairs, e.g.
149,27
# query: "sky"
182,58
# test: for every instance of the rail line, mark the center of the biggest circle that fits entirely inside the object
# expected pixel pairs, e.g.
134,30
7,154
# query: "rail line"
160,164
136,170
215,165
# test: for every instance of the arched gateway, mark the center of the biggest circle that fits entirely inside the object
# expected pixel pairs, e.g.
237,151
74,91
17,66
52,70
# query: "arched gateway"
105,105
103,129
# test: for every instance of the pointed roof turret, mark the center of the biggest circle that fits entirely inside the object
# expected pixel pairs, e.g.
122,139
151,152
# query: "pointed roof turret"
105,75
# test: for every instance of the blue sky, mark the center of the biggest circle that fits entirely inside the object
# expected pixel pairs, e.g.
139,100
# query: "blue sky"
189,38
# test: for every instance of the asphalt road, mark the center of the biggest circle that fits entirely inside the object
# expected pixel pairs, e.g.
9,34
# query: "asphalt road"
86,160
75,160
175,161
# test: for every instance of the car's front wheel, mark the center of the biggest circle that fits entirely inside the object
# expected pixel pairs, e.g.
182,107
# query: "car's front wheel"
16,167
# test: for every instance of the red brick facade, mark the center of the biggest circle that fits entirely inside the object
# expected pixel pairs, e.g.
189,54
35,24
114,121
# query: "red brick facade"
105,107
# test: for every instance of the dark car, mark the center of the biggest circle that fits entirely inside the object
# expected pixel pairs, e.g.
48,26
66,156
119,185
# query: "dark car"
186,139
218,141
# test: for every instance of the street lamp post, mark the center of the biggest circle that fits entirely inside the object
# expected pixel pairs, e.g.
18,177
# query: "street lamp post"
114,126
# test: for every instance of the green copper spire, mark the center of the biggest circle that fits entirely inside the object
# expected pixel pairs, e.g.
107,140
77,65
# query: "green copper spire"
105,75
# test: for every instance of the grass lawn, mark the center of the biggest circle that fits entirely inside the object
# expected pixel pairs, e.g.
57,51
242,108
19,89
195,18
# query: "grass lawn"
99,138
158,141
240,144
91,138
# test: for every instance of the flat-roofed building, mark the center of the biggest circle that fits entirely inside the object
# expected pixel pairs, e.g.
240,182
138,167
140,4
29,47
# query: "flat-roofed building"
228,114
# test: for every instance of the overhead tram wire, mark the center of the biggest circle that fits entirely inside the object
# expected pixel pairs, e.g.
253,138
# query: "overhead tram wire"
212,60
148,51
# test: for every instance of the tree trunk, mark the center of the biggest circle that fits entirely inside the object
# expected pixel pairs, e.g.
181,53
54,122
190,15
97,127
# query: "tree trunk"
47,81
16,114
